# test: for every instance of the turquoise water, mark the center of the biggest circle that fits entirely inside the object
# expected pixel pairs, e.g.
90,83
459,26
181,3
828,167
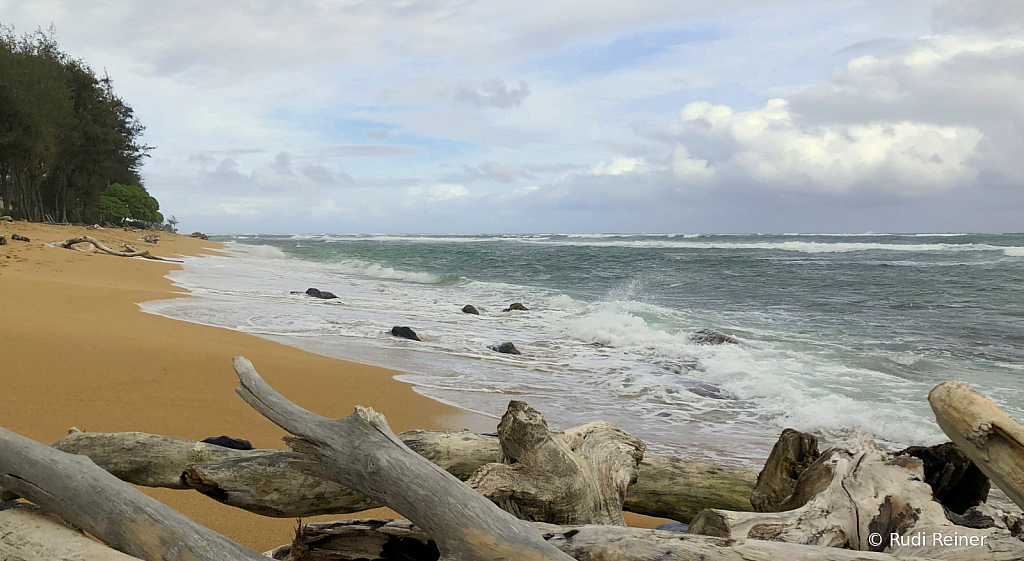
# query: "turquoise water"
838,332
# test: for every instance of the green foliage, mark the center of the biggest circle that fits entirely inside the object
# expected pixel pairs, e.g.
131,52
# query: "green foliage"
112,209
140,206
64,135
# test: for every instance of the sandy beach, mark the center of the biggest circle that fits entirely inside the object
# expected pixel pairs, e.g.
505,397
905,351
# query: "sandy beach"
77,351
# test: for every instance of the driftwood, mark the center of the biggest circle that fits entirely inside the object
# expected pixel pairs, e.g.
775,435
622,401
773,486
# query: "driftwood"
379,539
26,534
856,491
150,238
264,481
117,514
578,476
361,452
794,452
129,250
988,435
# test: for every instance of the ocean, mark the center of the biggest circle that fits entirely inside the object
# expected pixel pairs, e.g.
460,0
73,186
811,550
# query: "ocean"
837,333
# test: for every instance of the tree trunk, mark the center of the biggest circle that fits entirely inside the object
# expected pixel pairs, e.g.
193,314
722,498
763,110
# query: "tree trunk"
579,476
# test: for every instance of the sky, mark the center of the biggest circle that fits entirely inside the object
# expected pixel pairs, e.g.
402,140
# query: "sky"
472,116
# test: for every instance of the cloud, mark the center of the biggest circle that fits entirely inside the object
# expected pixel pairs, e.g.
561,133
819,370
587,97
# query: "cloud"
320,174
494,94
447,191
371,150
378,134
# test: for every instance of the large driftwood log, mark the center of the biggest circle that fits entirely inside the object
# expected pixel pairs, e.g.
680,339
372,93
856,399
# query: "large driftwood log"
119,515
379,540
794,452
981,429
129,250
864,491
361,452
579,476
263,481
27,534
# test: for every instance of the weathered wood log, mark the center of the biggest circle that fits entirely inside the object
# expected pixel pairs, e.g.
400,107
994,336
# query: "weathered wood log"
578,476
380,539
360,451
131,251
263,481
74,488
28,534
864,492
794,452
981,429
956,482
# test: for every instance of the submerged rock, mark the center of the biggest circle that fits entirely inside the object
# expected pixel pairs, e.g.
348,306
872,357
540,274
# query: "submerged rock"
405,332
506,347
469,309
516,306
19,238
322,294
712,337
228,442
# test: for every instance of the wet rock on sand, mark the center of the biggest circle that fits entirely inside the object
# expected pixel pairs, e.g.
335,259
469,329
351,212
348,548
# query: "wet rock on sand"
516,306
712,337
317,293
228,442
469,309
3,240
506,347
19,238
405,332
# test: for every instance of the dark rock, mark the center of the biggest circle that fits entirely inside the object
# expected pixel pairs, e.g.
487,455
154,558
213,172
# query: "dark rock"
3,240
19,238
199,235
776,485
228,442
516,306
405,333
317,293
469,309
712,337
506,347
673,527
956,482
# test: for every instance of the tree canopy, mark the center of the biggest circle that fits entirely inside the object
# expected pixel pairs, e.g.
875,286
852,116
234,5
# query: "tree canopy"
65,138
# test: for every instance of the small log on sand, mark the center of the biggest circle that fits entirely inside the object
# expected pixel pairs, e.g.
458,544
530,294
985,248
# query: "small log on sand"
129,250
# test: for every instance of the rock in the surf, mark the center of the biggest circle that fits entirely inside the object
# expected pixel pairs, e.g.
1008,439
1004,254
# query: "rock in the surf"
322,294
516,306
470,309
228,442
405,332
506,347
712,337
199,235
956,482
19,238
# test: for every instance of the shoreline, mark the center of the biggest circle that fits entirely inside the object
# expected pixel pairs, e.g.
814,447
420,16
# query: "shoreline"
79,351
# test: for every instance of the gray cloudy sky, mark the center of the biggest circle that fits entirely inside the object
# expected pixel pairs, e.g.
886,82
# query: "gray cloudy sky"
567,115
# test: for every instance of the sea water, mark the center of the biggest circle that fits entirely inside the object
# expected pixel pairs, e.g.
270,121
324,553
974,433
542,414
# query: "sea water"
837,332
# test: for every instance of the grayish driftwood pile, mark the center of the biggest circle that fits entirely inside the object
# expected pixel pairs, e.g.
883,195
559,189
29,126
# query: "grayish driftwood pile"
810,505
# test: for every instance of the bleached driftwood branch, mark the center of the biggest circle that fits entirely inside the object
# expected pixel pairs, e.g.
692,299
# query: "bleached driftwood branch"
129,250
263,481
361,452
26,533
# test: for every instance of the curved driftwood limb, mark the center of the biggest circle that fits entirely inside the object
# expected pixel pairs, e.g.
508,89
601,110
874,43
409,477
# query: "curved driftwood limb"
26,533
130,251
984,432
117,514
863,491
378,539
361,452
264,482
578,476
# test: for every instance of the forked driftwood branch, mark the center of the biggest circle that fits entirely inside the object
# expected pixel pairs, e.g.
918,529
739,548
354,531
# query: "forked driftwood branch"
129,251
361,452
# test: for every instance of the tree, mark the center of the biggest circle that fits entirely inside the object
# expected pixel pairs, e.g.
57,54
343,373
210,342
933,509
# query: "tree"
133,201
